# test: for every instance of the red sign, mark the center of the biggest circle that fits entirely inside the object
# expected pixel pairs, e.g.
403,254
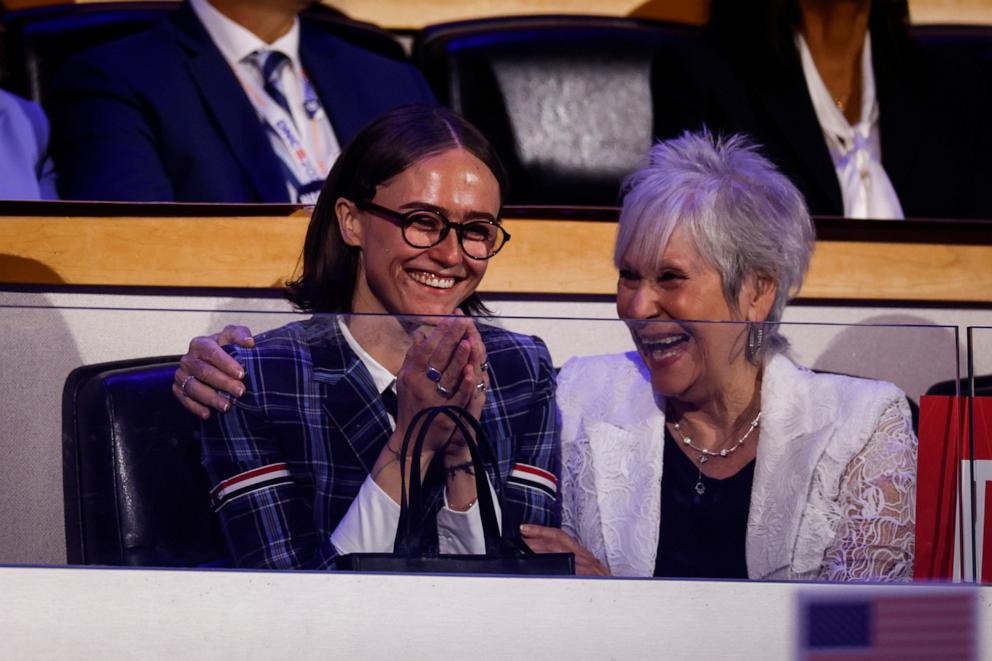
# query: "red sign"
954,490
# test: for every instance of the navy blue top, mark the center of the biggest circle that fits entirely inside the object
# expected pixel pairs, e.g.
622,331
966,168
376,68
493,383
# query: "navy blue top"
702,535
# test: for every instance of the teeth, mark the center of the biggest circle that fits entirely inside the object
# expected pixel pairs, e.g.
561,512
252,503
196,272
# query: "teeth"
663,342
658,354
664,347
432,280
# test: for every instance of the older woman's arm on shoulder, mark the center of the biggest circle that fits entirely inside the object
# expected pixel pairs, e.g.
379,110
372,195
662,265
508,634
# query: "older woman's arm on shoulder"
875,537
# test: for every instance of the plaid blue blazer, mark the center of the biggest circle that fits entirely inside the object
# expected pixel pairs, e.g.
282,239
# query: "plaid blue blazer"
289,457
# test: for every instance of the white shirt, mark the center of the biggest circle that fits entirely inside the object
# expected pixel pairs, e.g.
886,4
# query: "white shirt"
856,150
237,45
370,523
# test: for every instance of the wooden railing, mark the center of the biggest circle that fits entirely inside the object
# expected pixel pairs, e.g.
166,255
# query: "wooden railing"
553,251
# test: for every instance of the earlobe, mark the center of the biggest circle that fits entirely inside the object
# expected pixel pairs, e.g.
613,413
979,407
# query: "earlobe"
762,296
349,222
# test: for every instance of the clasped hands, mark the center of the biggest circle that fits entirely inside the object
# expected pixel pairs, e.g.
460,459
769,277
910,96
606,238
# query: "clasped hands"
445,365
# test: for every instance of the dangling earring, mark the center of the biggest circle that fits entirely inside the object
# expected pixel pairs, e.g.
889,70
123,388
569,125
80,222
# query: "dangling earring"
755,336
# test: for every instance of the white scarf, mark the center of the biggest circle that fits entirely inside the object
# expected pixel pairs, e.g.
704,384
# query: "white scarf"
856,150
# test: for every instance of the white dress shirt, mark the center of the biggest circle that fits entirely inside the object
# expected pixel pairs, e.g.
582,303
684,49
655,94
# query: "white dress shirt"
370,523
856,150
237,45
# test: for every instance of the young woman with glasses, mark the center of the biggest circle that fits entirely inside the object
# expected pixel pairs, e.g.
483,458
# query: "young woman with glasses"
305,459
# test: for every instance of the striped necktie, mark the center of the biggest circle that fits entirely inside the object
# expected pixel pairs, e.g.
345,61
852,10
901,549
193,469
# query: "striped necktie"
270,64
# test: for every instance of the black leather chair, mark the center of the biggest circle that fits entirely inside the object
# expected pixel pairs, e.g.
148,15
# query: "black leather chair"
135,492
983,387
44,38
566,100
970,42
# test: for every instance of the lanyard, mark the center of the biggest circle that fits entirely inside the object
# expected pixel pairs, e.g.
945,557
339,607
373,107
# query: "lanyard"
310,101
303,168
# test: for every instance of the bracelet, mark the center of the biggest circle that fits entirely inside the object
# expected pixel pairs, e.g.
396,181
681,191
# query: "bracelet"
457,468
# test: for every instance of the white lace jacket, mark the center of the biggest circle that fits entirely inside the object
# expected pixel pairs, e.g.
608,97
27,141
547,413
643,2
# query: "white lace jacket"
834,484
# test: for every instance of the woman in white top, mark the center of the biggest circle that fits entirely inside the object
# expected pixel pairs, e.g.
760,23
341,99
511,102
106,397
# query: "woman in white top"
865,122
707,452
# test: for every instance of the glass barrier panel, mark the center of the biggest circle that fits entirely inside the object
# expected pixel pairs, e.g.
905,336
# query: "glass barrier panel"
804,412
977,470
979,357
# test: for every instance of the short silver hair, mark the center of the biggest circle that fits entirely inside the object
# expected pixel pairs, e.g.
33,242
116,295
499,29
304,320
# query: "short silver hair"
743,216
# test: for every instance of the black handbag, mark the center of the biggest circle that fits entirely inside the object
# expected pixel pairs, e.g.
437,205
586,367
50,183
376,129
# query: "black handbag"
409,550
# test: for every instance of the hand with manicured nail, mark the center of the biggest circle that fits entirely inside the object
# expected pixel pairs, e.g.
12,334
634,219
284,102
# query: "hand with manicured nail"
207,376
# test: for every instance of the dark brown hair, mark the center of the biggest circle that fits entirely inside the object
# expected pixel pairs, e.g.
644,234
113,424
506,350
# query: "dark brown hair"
390,144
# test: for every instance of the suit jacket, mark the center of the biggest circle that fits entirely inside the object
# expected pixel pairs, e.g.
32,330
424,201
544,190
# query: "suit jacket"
933,121
289,458
160,116
26,171
836,459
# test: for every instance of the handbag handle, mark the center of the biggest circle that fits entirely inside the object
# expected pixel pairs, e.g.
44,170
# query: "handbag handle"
409,532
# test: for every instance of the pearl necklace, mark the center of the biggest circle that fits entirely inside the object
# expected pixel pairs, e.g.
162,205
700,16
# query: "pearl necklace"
704,454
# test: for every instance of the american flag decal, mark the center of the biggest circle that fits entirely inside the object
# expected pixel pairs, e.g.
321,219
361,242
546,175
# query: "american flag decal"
935,624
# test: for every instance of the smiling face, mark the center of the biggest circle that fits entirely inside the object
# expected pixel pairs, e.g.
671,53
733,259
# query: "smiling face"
396,278
688,361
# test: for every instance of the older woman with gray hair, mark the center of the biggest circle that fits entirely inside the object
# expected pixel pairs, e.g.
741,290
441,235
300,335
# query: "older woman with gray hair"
707,452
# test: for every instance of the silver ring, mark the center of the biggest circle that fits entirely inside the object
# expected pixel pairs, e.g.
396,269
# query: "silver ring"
182,386
441,390
433,374
481,386
484,366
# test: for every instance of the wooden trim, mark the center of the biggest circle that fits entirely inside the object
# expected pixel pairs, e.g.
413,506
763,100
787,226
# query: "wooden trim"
411,15
84,209
862,270
150,252
544,257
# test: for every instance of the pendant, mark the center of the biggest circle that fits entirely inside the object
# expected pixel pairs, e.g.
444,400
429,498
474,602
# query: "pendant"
700,487
703,458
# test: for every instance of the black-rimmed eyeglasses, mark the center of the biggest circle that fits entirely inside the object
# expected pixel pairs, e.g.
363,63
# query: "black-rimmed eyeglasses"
423,228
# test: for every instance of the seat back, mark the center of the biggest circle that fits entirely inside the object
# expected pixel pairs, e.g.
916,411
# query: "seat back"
565,100
983,387
44,38
135,491
968,42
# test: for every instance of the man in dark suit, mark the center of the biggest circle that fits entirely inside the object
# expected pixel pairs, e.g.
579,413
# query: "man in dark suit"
192,110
